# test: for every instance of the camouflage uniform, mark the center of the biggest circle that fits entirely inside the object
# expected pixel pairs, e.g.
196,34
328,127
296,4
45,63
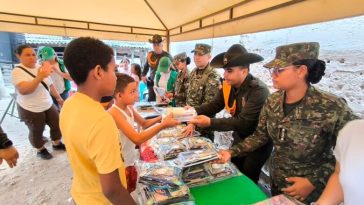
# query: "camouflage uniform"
203,83
180,94
181,88
303,139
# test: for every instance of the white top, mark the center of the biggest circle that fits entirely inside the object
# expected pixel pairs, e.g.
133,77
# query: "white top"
122,70
349,153
58,81
38,101
130,154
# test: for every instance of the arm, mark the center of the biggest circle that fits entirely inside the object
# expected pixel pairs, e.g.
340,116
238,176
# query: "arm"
28,87
55,94
7,151
256,140
134,136
145,69
145,123
246,120
333,193
113,190
103,149
213,107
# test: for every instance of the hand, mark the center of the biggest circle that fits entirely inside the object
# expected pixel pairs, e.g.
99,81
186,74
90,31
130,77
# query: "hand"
10,155
224,156
188,130
60,101
169,121
169,95
300,189
201,121
144,79
187,107
45,71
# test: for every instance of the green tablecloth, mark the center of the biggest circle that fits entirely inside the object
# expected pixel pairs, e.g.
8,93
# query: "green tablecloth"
234,191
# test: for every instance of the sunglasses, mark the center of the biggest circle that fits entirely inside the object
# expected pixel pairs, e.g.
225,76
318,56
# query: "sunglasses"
278,71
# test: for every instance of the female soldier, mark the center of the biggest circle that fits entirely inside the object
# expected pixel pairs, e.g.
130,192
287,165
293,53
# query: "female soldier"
302,121
181,61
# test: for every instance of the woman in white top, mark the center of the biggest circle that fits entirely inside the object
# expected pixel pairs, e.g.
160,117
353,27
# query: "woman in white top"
125,117
35,106
345,184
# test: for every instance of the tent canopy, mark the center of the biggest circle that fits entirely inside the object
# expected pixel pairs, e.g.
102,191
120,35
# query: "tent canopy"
177,20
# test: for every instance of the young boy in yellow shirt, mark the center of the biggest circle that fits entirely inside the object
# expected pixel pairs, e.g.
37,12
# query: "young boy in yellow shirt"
90,133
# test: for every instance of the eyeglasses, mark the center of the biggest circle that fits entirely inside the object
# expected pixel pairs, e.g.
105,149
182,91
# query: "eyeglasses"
278,71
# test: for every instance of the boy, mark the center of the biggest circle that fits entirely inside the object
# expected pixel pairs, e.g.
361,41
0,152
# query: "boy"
90,134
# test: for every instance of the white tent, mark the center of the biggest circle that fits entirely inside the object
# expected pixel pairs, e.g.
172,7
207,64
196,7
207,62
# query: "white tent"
176,20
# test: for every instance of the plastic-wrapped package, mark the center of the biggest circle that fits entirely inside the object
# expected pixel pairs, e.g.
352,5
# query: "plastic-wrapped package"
223,140
208,172
196,143
196,175
155,195
194,157
221,170
168,150
180,113
280,200
160,183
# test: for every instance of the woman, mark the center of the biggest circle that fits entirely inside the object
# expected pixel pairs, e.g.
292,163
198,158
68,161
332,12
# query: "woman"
181,61
165,82
60,77
124,66
136,73
35,106
302,121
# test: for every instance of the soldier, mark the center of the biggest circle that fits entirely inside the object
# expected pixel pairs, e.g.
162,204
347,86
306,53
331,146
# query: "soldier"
302,121
204,81
243,96
181,61
152,62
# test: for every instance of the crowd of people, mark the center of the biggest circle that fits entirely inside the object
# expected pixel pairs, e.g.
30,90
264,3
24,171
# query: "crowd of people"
310,137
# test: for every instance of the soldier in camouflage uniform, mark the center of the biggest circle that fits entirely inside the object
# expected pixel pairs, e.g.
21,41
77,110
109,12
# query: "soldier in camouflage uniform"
181,61
204,80
302,121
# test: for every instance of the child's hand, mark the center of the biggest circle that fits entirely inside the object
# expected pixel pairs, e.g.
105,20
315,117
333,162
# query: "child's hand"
169,121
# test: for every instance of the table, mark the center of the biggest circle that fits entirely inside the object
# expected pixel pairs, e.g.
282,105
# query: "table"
238,190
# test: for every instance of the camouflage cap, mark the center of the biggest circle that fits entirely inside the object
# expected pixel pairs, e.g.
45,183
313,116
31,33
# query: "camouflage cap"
179,57
288,54
156,39
202,49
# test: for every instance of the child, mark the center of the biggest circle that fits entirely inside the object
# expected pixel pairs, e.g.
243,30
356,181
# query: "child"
90,134
165,80
125,117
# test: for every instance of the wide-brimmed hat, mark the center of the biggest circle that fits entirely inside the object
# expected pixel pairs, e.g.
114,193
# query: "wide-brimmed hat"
236,55
46,53
156,39
288,54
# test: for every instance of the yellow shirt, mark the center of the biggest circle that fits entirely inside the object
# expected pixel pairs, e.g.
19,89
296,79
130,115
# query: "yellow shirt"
93,147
